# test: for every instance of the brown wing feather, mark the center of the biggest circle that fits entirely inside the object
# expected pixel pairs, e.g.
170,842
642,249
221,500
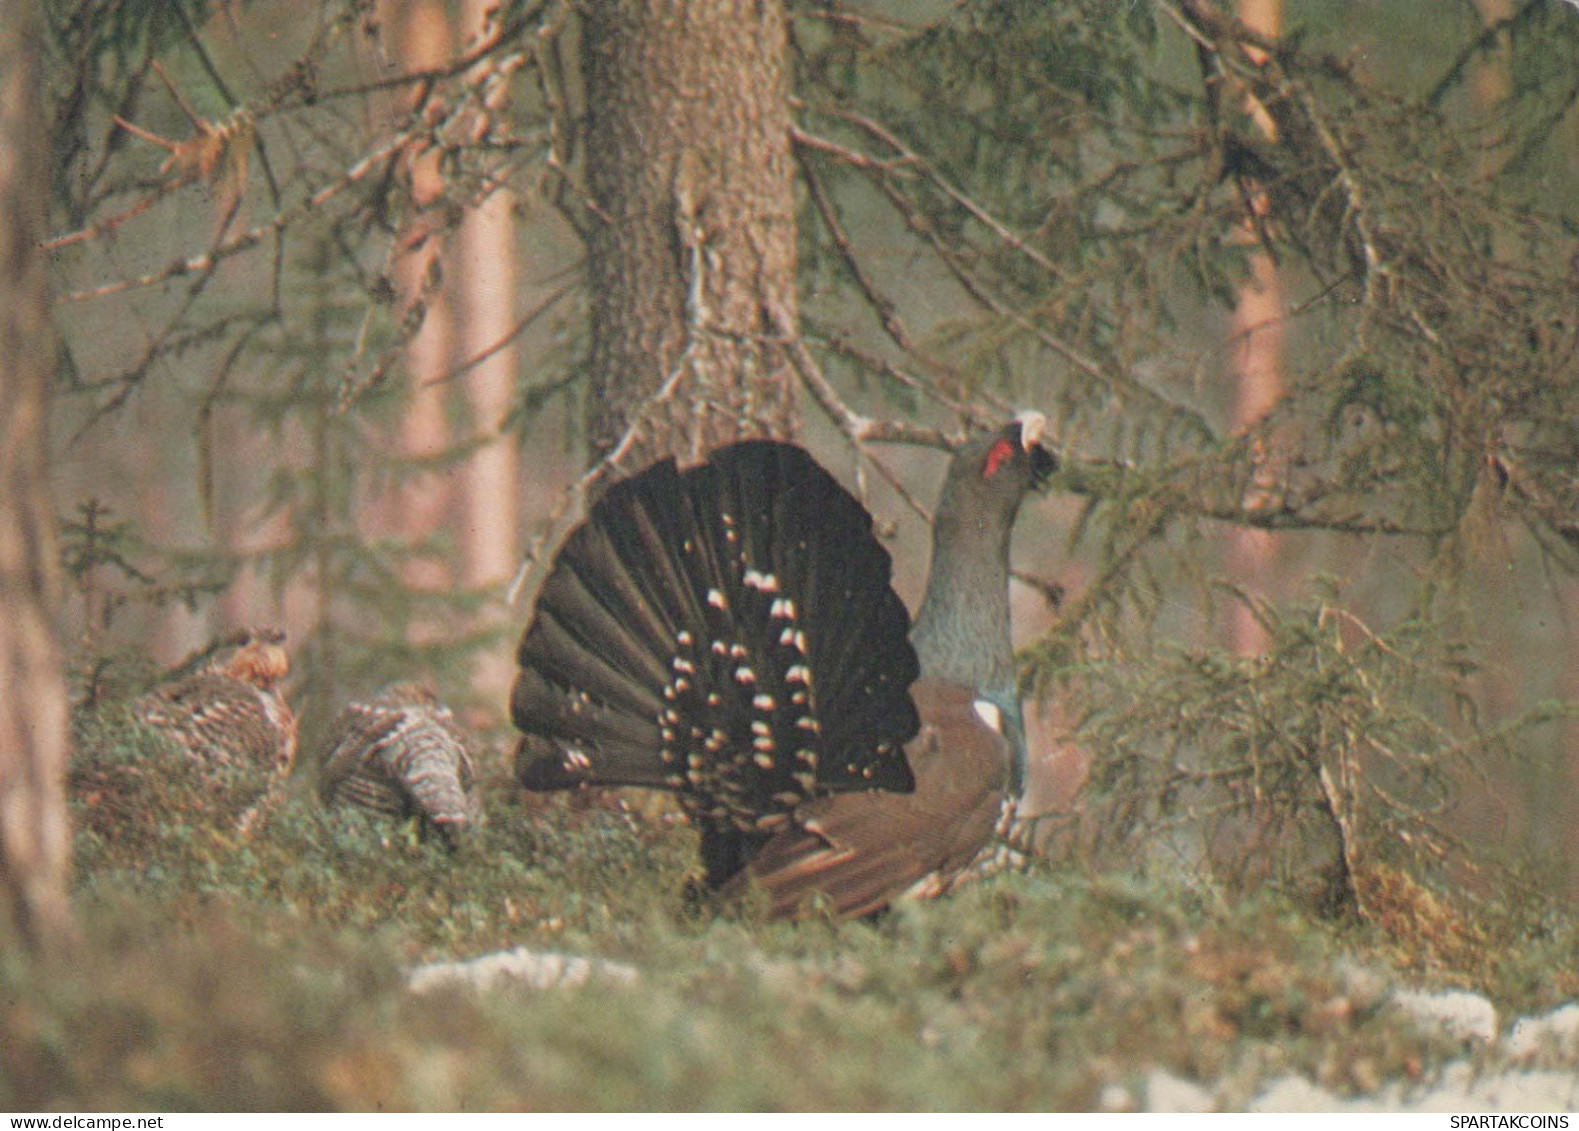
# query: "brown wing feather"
402,753
859,852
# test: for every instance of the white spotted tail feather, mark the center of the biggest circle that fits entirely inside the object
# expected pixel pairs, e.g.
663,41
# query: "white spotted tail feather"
403,754
729,633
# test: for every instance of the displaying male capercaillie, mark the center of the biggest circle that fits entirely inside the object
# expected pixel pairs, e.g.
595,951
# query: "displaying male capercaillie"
729,632
969,759
403,754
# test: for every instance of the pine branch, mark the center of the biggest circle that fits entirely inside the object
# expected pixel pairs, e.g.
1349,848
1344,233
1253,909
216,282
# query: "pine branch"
249,239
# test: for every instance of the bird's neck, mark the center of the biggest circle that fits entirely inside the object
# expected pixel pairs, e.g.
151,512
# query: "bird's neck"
961,631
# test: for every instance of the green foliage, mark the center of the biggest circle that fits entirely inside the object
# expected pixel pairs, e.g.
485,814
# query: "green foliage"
151,827
104,49
276,386
1087,195
113,574
1080,190
1334,752
371,622
1049,204
229,972
1025,992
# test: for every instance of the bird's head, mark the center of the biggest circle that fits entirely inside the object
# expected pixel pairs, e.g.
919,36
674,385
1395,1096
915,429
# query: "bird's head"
261,663
1018,449
992,473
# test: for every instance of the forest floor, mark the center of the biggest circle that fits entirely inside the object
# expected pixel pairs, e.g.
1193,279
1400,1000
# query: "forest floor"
274,971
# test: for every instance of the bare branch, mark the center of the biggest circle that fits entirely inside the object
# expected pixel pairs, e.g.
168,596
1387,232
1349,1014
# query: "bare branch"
501,34
244,241
915,161
887,312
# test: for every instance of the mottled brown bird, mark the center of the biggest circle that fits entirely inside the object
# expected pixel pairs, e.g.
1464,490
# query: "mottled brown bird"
403,754
232,719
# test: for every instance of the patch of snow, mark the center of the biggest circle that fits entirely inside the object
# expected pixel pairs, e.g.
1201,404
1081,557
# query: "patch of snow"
1461,1086
538,970
1558,1030
1366,986
1115,1098
1458,1089
1457,1013
1502,1091
1294,1093
1166,1092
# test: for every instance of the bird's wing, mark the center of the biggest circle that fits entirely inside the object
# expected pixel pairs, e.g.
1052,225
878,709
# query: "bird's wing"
402,759
858,852
223,720
353,769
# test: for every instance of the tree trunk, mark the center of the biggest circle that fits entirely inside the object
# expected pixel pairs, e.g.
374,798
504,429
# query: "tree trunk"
691,257
486,268
417,507
1256,331
34,837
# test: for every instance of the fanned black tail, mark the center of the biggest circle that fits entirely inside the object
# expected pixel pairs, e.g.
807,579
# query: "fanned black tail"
727,632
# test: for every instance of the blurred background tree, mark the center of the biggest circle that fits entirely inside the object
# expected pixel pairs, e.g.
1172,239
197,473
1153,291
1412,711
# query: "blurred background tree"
35,845
344,311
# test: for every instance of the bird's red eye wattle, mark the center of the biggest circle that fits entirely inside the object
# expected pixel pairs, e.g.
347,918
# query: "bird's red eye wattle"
998,455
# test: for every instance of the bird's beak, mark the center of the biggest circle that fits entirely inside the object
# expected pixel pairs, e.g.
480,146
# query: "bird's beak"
1032,425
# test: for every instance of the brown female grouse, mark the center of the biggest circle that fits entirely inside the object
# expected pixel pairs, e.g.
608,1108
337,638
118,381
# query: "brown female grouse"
232,721
402,753
729,632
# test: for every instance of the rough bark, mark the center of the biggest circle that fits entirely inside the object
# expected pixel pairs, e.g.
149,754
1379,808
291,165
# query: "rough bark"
691,256
34,841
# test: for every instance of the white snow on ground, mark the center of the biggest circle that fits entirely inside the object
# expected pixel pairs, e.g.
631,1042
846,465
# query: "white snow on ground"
1460,1087
1457,1089
538,970
1557,1031
1456,1013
